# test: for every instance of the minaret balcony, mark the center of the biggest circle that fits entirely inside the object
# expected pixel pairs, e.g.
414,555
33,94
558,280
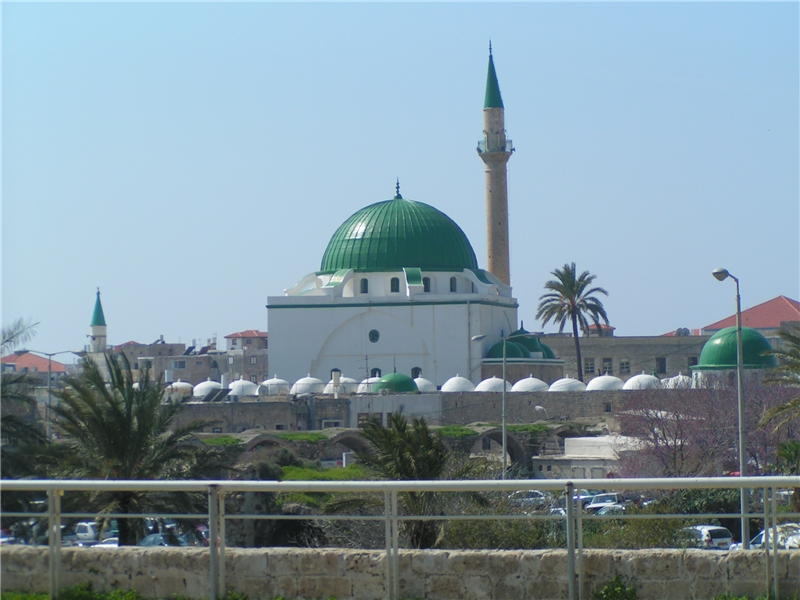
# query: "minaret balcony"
495,146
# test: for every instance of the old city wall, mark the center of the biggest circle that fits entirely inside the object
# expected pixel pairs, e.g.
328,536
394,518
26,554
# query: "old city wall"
434,574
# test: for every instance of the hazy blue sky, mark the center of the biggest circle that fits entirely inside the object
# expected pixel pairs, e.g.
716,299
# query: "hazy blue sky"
194,159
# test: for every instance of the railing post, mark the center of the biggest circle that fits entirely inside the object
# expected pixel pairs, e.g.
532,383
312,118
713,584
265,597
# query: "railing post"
222,545
765,539
213,540
570,542
54,540
775,553
387,522
395,547
579,521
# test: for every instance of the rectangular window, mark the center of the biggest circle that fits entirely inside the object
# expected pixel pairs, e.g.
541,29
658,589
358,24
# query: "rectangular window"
588,366
329,423
388,419
178,364
362,418
624,366
607,407
254,378
661,365
253,360
608,366
230,360
280,426
395,285
198,362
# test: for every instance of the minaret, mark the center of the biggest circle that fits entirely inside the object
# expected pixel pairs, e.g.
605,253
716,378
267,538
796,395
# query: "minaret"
97,330
495,150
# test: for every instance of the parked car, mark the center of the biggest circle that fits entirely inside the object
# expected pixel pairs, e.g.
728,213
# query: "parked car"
111,542
788,538
529,499
612,509
163,539
83,534
603,500
711,537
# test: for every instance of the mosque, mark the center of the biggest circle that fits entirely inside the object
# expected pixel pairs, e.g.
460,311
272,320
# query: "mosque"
399,290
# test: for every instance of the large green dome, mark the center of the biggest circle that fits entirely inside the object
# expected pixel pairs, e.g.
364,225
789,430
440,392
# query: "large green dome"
398,233
719,352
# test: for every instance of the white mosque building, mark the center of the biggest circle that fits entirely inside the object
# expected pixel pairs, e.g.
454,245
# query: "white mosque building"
399,288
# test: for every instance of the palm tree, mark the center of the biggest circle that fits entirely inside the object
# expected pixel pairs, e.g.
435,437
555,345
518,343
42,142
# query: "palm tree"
787,373
120,429
406,451
571,299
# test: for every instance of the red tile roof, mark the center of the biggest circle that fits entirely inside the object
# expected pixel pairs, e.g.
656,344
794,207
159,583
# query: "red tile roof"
250,333
767,315
33,363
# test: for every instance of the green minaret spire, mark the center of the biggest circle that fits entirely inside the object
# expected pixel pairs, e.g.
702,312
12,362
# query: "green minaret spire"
493,97
98,319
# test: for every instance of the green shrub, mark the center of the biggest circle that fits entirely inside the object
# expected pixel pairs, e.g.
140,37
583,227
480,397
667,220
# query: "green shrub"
456,431
302,436
222,440
616,590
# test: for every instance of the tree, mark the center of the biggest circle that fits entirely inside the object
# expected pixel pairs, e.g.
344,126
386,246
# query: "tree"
572,299
787,373
409,451
121,430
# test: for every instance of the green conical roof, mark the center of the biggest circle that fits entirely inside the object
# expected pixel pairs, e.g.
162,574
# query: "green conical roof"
719,352
396,382
493,98
398,233
98,319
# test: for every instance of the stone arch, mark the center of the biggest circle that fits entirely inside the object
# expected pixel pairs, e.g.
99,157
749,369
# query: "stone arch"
517,455
266,439
351,439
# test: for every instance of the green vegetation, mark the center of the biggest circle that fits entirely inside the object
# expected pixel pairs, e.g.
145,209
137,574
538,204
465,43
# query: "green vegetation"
618,589
222,440
528,428
352,472
456,431
302,436
570,299
787,373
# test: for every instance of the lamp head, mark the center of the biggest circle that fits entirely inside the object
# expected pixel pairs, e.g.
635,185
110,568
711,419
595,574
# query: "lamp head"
720,274
539,408
479,337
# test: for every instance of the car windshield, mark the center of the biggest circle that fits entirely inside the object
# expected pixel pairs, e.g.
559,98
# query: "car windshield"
716,534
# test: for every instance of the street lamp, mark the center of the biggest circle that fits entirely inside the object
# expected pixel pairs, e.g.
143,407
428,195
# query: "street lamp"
49,356
542,409
722,275
478,338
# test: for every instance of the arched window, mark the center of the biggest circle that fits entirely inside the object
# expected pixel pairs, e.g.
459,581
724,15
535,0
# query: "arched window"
395,285
375,372
426,284
416,372
453,284
364,286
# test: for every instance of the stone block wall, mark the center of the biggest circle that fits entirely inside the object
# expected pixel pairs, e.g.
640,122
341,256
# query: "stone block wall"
430,574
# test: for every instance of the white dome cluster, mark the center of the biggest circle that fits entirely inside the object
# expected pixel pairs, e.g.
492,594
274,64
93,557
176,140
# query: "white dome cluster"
642,382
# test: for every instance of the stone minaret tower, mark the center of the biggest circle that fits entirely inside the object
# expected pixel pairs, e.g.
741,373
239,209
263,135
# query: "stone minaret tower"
97,330
495,150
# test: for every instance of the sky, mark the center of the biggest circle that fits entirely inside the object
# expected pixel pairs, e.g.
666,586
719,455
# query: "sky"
193,159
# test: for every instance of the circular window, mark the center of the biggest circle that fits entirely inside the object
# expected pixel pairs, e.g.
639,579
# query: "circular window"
374,336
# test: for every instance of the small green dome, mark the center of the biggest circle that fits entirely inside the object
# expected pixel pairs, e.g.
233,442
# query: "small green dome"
396,382
531,343
513,350
398,233
547,350
719,352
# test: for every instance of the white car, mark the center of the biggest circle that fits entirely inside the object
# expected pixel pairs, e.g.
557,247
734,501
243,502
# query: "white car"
788,538
711,537
603,500
529,499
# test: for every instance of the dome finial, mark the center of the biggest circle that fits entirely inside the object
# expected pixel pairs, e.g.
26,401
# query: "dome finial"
397,195
490,47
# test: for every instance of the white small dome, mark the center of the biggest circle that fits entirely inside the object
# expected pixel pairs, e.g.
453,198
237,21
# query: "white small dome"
367,386
307,385
273,387
425,386
180,387
493,384
241,387
458,384
642,382
201,390
679,382
567,384
604,383
530,384
347,385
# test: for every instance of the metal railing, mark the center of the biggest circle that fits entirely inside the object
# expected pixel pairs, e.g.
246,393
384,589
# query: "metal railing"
216,491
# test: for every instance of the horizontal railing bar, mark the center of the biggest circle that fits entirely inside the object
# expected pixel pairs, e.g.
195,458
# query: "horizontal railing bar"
508,485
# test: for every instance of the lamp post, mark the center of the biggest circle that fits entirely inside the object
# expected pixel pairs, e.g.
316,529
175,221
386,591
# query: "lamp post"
49,356
477,338
542,409
721,275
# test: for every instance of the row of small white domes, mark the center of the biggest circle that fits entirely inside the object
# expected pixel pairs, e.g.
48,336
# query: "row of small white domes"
347,385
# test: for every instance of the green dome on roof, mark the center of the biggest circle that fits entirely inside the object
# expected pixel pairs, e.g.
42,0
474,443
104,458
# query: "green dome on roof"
719,352
398,233
513,350
396,382
521,337
547,350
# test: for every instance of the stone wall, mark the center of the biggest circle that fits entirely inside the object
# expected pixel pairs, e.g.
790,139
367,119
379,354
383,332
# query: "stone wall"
429,574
